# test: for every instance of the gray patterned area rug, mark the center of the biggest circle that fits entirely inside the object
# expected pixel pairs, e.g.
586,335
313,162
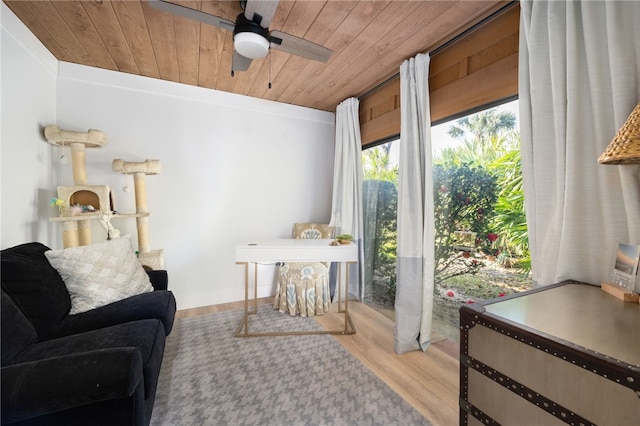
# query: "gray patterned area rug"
210,377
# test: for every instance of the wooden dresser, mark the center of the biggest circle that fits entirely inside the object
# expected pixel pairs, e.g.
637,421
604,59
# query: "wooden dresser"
568,353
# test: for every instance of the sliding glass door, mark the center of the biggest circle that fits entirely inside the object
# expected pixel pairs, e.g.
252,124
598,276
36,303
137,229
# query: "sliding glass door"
481,233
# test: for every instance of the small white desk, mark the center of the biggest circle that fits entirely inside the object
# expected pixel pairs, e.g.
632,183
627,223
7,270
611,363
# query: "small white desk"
294,250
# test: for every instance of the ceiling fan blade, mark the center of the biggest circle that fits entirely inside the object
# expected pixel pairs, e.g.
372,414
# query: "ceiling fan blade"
299,46
240,63
196,15
265,8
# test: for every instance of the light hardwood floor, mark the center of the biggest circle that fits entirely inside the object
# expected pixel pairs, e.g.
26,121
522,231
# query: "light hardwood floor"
429,381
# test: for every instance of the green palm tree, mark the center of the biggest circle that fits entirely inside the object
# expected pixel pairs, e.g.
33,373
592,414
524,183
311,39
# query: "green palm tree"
484,125
377,164
484,137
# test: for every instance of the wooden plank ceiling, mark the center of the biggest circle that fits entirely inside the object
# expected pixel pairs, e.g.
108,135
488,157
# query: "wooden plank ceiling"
369,39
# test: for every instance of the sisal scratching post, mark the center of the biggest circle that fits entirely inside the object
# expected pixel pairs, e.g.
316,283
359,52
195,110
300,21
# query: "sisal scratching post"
143,235
141,207
141,192
84,232
70,236
78,164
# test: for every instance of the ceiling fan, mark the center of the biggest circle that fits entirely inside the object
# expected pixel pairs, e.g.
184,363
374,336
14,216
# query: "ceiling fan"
251,36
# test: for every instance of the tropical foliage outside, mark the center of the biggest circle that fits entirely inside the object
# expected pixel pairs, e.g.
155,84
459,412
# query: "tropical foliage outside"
490,150
478,210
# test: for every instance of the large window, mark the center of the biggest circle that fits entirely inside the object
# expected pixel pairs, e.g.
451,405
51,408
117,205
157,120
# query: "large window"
481,241
380,202
481,234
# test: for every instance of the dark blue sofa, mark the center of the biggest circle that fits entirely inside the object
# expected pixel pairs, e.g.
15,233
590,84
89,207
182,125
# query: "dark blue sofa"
99,367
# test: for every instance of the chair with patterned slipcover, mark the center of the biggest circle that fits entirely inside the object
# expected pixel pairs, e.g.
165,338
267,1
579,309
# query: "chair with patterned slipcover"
303,287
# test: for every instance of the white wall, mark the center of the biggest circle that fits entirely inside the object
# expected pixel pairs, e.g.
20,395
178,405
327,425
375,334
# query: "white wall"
28,87
235,169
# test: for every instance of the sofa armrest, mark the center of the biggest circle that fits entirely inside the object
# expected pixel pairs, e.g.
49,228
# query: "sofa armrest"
52,385
159,279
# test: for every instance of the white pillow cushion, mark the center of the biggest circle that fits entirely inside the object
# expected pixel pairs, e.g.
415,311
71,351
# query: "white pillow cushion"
101,273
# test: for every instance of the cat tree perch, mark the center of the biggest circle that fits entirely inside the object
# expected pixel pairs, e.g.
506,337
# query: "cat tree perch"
82,203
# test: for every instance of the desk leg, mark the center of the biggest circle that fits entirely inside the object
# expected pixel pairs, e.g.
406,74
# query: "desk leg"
346,300
245,318
344,279
349,328
348,324
255,288
339,286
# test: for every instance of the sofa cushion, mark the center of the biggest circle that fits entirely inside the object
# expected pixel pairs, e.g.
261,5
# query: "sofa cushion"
101,273
33,284
16,330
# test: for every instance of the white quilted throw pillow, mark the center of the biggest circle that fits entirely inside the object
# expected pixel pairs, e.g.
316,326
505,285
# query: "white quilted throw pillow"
101,273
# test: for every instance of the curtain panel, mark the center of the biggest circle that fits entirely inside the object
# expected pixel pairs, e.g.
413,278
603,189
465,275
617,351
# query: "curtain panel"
415,251
579,80
346,206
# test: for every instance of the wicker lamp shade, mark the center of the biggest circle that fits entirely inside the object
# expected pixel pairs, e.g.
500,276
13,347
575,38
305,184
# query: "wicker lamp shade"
625,146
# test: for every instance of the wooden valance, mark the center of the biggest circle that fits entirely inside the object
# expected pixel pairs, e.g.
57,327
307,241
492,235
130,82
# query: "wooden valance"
479,68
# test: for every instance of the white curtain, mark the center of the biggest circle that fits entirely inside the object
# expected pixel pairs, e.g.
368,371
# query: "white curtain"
415,252
579,80
346,208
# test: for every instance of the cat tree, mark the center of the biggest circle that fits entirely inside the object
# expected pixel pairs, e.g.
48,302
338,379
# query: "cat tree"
83,203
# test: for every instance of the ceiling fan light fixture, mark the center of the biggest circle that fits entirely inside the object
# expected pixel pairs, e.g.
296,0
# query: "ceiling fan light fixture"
251,45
